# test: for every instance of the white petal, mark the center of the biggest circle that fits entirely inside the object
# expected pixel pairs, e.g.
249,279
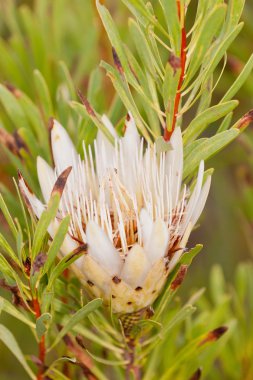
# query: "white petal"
192,204
31,200
154,278
177,144
69,245
174,165
182,244
131,139
104,154
64,152
104,149
135,267
107,123
102,250
95,274
46,177
157,244
201,201
146,225
130,146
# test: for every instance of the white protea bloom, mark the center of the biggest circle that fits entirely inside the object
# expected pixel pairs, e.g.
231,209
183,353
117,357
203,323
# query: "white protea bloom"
128,205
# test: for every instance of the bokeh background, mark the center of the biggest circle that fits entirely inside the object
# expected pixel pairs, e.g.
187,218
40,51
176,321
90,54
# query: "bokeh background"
71,31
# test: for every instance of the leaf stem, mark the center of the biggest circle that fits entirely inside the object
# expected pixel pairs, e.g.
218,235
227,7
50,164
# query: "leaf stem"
167,134
42,346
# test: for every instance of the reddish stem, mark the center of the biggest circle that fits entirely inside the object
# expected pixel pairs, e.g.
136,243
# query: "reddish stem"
42,346
167,134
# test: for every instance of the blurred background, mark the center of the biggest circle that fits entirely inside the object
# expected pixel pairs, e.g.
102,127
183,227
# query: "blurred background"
37,35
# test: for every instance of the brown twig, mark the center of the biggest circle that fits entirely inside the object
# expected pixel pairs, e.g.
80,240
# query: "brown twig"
85,362
132,369
167,134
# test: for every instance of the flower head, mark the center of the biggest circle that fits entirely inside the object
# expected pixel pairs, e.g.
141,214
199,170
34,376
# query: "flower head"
127,203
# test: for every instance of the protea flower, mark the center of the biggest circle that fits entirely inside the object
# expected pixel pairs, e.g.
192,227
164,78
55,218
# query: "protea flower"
127,204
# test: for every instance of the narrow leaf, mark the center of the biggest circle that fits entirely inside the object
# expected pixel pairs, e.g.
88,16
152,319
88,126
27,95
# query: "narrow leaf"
240,80
8,339
201,121
46,218
77,318
8,308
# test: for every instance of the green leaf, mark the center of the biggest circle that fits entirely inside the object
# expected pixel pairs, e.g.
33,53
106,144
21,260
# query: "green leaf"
8,308
67,78
8,339
200,43
218,284
146,56
205,148
56,244
95,85
5,245
173,24
34,117
61,266
95,338
55,374
219,50
206,95
34,37
162,145
202,120
187,258
77,318
12,107
115,40
43,94
170,86
107,361
127,98
8,217
6,268
141,11
240,80
234,12
225,123
41,326
180,316
81,110
30,140
46,218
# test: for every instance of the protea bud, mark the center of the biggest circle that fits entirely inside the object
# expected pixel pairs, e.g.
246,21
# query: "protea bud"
127,203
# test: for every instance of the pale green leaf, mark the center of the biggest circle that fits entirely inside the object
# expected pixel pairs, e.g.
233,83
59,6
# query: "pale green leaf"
7,248
12,107
8,217
8,308
43,94
240,80
41,324
8,339
202,120
200,43
173,24
56,244
205,148
46,218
